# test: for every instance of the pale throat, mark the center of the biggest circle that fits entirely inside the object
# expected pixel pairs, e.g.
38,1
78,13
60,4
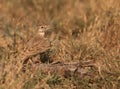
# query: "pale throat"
41,33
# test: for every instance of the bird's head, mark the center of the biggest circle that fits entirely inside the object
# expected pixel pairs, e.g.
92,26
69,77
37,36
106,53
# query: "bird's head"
42,30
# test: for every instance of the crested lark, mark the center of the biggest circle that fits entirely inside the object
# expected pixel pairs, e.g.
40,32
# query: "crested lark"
36,45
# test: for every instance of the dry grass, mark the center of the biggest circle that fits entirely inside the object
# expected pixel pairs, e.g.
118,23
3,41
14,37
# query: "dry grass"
83,30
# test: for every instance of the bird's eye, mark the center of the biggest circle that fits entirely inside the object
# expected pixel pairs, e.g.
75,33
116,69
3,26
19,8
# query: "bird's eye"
42,27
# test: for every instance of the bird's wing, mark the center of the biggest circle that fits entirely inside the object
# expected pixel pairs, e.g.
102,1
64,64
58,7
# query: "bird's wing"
36,45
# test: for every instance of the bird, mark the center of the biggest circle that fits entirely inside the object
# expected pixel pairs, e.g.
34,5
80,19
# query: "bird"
36,45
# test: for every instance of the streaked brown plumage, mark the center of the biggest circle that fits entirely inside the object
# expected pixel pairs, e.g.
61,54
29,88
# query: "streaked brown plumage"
36,45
